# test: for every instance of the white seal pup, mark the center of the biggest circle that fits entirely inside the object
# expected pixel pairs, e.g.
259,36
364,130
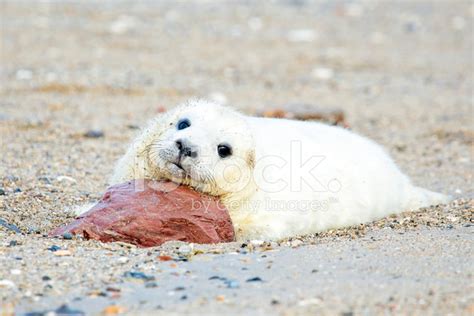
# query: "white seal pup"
277,177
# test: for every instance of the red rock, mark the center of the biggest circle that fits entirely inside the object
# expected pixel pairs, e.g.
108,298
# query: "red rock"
148,213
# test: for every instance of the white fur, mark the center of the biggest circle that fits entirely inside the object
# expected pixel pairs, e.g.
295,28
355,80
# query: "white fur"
353,181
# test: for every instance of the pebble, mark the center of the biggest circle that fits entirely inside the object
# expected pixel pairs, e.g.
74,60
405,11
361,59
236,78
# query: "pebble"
67,236
322,73
257,242
113,310
2,191
15,272
24,74
254,279
62,253
151,284
66,179
46,278
123,24
54,248
8,226
138,275
185,249
123,260
301,35
94,134
7,283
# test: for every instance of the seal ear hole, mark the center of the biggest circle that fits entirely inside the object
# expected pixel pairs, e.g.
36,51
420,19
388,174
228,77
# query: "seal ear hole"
224,150
183,123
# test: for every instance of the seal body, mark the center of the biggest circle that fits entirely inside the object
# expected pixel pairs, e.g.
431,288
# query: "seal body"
277,177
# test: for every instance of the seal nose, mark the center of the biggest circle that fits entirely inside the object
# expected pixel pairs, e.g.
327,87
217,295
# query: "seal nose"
185,149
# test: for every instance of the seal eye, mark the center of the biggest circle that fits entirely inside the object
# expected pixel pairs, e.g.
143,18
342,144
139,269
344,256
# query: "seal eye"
224,150
184,123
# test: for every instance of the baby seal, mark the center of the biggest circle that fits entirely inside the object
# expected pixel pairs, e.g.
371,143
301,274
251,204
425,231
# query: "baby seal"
277,177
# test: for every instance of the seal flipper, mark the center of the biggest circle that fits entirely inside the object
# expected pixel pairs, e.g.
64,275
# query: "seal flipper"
420,197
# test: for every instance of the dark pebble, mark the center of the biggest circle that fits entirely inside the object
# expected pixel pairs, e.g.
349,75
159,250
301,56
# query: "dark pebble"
54,248
184,297
255,279
12,243
17,190
180,288
94,134
216,277
2,191
133,126
66,310
138,275
274,302
45,278
314,270
150,285
8,226
67,236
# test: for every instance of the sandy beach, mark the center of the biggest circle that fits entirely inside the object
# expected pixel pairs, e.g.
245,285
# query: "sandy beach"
78,80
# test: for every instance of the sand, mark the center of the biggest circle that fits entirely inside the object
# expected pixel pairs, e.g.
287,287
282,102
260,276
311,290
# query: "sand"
78,79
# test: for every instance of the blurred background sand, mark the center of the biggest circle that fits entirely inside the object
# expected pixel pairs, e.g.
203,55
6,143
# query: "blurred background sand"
401,71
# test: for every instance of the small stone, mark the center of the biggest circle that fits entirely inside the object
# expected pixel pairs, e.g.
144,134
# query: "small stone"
66,179
220,298
94,134
7,283
322,73
113,310
62,253
46,278
254,279
138,275
122,260
15,271
12,243
17,190
151,285
123,24
257,242
8,226
2,191
185,249
24,74
54,248
301,35
67,236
